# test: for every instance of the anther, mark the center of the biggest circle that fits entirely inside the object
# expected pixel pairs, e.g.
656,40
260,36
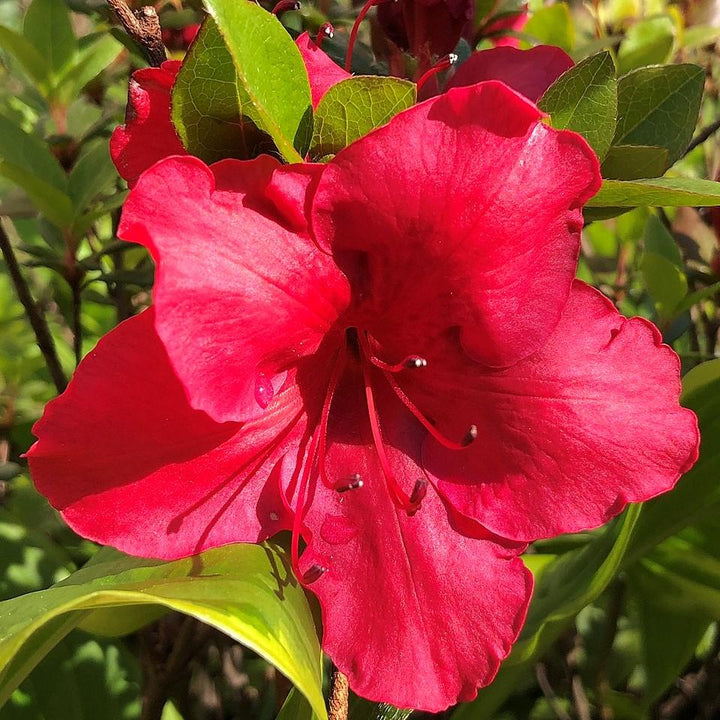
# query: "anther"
313,574
443,64
326,30
285,6
419,491
470,436
355,483
411,362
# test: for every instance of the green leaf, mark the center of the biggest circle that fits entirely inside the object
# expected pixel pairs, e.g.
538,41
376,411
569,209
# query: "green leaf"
648,42
584,99
96,53
47,27
211,111
31,153
659,106
246,591
295,707
633,162
699,35
657,192
54,204
271,71
552,25
669,638
662,268
88,678
32,62
92,174
355,106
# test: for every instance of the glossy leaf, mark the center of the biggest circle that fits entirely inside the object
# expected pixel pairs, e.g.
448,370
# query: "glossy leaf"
32,61
662,268
271,72
247,591
633,162
648,42
211,111
659,106
584,99
353,107
669,637
47,27
657,192
552,25
91,175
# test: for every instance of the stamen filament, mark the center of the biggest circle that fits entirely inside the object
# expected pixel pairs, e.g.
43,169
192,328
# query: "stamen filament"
469,437
442,64
356,26
325,30
337,372
285,6
399,496
411,362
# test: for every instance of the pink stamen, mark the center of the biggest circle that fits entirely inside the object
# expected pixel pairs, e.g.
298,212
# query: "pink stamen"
335,377
470,435
411,362
326,30
284,6
356,26
442,64
399,496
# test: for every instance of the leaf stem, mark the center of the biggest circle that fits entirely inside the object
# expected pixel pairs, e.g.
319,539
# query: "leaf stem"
37,320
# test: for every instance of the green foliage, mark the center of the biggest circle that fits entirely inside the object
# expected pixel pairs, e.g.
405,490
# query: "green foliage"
658,106
552,25
657,192
270,70
584,99
353,107
247,591
649,42
211,110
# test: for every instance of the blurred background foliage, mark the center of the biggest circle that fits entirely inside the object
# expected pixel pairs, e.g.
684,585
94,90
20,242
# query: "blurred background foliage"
625,620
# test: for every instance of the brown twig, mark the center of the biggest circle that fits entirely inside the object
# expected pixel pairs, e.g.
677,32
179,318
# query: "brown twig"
35,316
702,136
339,697
143,26
549,693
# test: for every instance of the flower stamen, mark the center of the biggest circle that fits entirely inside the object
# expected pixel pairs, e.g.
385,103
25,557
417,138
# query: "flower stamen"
411,362
326,30
443,64
356,26
337,372
356,482
315,572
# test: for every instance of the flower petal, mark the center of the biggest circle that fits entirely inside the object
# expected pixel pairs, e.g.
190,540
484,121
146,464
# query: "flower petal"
129,463
414,613
529,72
148,134
241,292
569,436
462,211
323,72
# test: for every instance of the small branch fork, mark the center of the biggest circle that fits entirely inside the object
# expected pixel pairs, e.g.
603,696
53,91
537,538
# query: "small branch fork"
143,26
37,319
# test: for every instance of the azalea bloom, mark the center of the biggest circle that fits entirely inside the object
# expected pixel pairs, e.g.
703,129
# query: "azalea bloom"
389,357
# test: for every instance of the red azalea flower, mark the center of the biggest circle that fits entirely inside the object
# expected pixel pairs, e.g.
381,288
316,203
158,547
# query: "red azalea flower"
497,25
425,27
389,356
529,72
148,134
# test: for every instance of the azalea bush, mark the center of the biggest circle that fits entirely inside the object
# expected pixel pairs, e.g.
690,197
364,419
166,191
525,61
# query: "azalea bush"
359,360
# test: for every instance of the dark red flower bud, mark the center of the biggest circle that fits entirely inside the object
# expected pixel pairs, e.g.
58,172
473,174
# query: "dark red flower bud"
425,27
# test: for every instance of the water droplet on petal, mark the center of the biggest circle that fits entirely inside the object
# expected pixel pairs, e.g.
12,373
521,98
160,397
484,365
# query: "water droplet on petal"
264,390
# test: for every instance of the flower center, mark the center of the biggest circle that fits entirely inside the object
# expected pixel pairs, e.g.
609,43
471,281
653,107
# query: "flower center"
358,348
